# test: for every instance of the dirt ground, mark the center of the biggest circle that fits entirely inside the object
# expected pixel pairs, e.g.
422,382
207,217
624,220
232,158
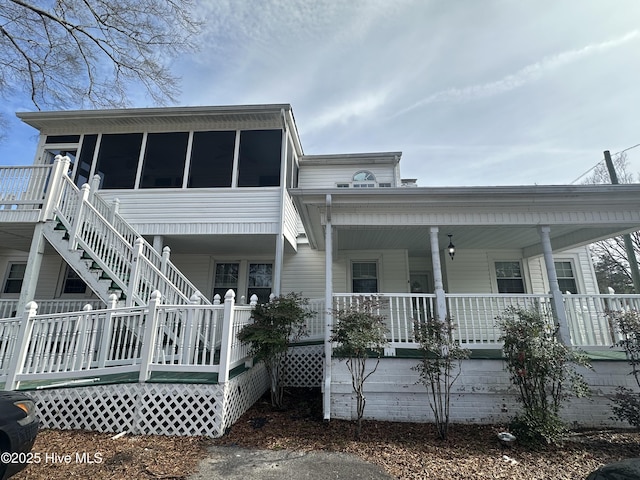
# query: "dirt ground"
404,450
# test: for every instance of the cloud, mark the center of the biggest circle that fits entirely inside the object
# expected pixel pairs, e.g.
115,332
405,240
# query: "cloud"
523,76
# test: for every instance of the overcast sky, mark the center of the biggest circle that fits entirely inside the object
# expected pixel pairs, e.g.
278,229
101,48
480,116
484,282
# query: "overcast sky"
473,92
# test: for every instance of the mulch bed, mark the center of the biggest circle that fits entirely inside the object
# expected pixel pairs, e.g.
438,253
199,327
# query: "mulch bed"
404,450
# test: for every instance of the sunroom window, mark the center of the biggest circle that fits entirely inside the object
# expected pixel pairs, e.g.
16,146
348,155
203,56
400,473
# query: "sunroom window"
117,162
164,159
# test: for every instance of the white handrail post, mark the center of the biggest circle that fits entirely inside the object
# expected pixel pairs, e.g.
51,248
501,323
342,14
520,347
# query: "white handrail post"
95,184
149,336
115,209
105,335
166,254
83,197
52,196
227,336
83,321
16,365
135,270
191,330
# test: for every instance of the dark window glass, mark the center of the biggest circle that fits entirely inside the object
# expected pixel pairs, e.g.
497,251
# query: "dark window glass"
290,166
259,158
509,277
260,277
566,279
73,283
13,284
62,139
226,278
86,157
117,162
364,277
164,158
211,159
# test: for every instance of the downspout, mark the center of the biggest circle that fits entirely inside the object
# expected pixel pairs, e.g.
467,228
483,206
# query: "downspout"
328,303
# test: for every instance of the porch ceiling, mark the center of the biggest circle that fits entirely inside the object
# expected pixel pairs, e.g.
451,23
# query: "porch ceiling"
16,236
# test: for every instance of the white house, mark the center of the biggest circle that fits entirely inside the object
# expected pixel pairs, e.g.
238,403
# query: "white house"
193,202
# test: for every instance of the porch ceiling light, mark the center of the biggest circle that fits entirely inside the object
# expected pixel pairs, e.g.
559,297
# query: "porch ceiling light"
451,248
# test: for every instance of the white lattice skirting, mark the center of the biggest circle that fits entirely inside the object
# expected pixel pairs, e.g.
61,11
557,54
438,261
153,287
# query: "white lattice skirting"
152,408
305,366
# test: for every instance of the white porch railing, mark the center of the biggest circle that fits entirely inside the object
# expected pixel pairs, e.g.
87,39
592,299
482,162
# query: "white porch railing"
474,315
399,310
93,343
23,188
8,306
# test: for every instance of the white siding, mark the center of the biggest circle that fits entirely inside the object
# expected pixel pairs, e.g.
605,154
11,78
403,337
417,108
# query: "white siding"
200,211
197,268
326,176
303,272
538,275
468,272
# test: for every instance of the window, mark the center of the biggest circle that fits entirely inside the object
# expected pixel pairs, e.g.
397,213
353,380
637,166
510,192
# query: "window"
260,277
15,276
62,139
566,278
117,162
259,158
509,277
364,179
364,277
86,159
342,185
226,277
164,159
211,159
73,283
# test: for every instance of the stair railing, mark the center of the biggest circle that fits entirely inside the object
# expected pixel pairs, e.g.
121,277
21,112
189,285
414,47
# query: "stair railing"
159,261
125,264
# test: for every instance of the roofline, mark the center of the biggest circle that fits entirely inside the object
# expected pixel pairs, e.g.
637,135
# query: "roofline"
150,112
480,194
345,158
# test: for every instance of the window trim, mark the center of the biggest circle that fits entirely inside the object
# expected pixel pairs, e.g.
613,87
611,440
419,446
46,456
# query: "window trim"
10,264
378,263
524,269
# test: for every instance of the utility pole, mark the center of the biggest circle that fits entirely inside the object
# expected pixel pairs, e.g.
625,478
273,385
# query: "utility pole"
628,244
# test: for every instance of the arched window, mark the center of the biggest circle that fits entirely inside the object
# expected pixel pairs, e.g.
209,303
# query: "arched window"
364,179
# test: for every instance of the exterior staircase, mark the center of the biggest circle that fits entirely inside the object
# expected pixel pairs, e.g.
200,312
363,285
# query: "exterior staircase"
108,253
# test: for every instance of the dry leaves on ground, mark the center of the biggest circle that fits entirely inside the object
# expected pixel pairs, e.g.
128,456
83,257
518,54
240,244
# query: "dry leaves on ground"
412,451
404,450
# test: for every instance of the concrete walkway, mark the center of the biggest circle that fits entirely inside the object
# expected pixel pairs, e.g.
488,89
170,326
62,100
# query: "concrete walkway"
235,463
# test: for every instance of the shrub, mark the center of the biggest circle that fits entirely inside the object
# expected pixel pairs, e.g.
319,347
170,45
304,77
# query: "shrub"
439,367
275,325
626,401
544,371
359,333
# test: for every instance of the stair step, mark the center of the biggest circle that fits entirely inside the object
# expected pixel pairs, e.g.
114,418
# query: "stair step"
60,226
66,235
85,256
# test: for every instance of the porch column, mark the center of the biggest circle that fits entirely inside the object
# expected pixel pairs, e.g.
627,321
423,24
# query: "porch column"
278,261
557,301
328,305
32,270
158,241
441,302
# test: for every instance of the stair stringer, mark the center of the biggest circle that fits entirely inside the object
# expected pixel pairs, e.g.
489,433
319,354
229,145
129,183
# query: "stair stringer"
103,288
